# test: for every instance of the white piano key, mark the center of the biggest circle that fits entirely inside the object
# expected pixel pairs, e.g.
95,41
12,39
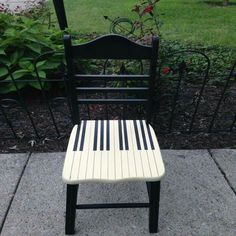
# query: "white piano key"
136,154
90,161
131,152
97,156
150,152
111,153
69,159
118,160
143,154
124,155
104,154
87,150
157,154
77,156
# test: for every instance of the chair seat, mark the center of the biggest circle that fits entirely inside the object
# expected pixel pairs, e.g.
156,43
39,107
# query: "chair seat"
112,151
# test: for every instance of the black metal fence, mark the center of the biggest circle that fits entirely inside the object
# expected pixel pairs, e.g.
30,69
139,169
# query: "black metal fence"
187,101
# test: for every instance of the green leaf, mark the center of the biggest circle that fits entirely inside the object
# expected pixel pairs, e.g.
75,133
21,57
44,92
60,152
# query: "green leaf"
15,57
18,74
5,60
36,85
41,74
40,63
2,52
3,71
50,65
34,47
26,64
7,88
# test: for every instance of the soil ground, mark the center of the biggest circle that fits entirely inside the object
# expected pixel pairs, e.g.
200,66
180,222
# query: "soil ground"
176,138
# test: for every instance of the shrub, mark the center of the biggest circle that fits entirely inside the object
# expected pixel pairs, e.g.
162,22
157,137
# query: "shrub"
22,40
221,59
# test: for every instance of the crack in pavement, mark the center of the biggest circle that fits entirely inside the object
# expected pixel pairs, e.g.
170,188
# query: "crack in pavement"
14,193
222,171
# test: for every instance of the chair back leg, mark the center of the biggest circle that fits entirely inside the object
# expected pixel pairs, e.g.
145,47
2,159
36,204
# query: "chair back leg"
154,198
71,201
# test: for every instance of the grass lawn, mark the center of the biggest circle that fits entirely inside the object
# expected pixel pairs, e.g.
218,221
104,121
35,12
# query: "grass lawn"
184,20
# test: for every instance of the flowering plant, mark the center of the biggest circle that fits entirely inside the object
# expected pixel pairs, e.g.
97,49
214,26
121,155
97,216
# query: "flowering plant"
166,70
148,19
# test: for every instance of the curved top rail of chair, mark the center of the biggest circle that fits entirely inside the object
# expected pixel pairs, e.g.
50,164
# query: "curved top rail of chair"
111,46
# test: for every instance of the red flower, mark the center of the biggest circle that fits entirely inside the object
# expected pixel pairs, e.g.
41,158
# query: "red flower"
166,70
148,9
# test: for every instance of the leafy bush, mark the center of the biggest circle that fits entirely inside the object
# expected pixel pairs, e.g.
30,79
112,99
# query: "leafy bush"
22,40
221,59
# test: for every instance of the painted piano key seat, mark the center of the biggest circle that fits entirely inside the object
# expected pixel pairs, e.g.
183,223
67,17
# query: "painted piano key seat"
112,151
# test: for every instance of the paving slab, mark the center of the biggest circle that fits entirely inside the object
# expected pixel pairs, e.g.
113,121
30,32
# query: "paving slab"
10,171
195,200
37,208
17,6
226,159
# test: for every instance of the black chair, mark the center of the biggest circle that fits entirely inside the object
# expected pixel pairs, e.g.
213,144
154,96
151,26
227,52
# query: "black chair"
112,150
61,14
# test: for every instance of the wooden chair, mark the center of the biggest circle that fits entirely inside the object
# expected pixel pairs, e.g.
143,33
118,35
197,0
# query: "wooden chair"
112,151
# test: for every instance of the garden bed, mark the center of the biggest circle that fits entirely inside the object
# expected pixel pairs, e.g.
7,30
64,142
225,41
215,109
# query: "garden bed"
177,138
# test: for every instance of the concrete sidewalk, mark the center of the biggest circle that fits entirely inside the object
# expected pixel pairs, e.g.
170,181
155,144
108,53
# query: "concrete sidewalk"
198,197
17,6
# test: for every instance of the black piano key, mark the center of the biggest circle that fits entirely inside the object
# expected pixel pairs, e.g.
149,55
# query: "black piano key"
102,135
120,135
83,136
143,135
95,136
136,135
150,136
108,135
77,137
125,135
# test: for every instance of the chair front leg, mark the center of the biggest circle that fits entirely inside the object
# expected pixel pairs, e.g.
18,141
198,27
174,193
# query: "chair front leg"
71,201
154,196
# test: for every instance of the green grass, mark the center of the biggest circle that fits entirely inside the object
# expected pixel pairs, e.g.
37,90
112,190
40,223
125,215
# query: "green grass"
184,20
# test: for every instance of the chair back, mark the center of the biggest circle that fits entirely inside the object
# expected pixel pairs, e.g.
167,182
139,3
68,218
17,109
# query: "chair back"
111,47
61,13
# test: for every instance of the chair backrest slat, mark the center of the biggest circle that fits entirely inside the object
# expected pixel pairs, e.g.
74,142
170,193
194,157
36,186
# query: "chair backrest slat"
111,89
111,47
112,101
113,77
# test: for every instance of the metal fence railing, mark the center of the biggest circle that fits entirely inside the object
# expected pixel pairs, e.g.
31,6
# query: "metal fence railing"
186,101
